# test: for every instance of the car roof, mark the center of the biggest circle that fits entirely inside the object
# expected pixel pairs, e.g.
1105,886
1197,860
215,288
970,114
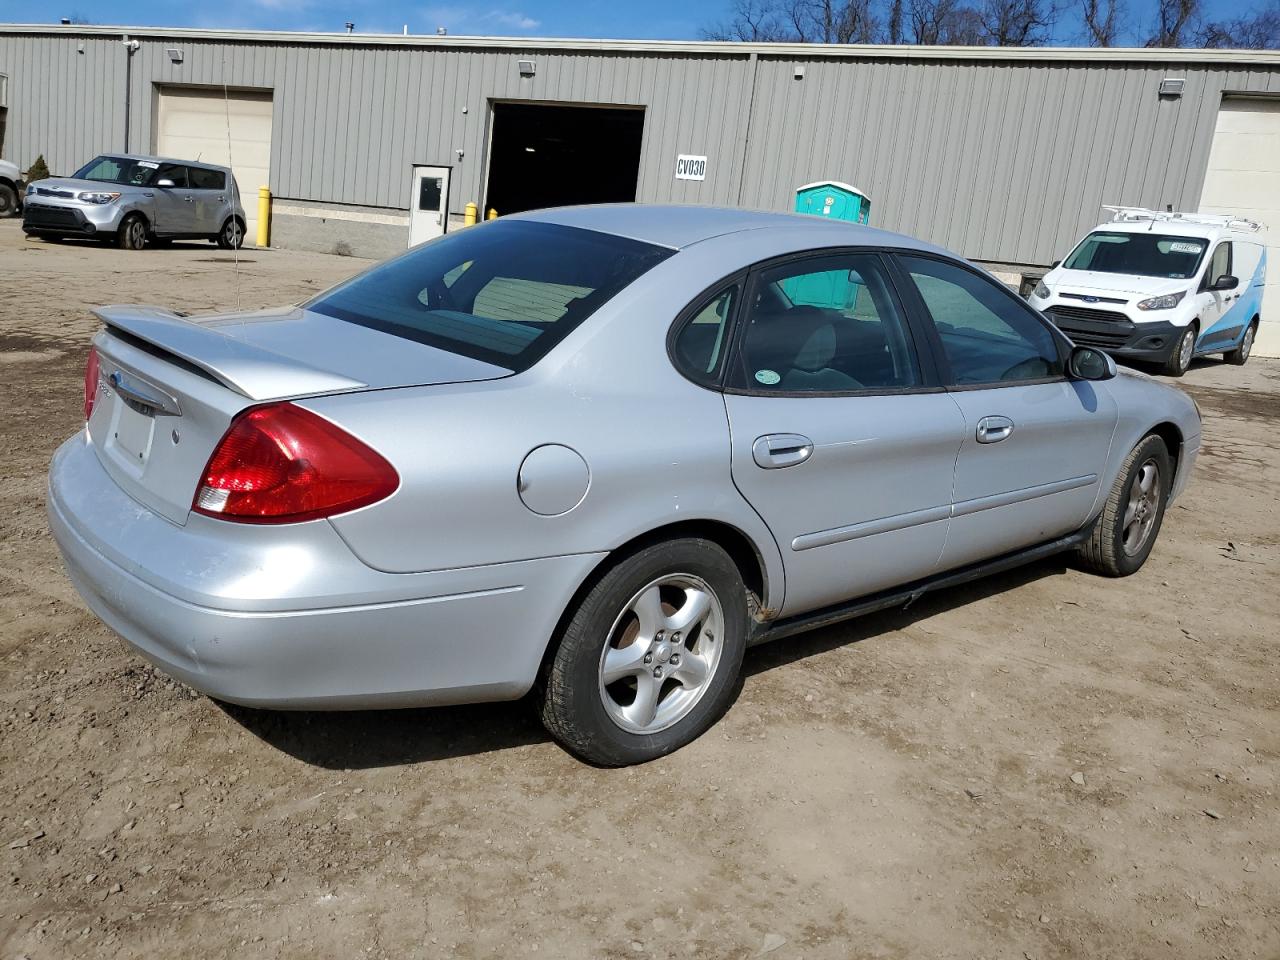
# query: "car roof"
681,225
1178,228
145,156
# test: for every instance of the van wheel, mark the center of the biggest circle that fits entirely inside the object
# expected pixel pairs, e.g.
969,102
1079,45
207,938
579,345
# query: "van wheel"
231,236
651,655
132,234
1180,360
8,200
1126,531
1240,355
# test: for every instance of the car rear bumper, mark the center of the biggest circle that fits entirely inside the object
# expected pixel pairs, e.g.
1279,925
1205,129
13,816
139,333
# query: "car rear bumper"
287,617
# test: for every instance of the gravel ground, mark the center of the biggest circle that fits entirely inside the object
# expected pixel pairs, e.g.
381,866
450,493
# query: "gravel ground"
1045,764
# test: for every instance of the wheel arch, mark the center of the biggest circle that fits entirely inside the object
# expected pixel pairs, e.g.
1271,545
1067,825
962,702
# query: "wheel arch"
1169,432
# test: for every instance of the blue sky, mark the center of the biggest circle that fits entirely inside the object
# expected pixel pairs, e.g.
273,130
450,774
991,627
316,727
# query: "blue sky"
653,19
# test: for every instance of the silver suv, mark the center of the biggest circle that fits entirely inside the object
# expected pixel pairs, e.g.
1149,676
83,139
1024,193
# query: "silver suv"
127,200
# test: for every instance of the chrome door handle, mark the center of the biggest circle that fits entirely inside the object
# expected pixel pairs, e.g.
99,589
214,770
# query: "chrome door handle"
993,429
775,450
188,199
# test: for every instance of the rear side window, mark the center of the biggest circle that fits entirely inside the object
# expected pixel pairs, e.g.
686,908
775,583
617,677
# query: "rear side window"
986,334
202,179
504,293
702,343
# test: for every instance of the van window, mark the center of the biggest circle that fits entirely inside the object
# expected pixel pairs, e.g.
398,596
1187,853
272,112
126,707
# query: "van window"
1138,254
1219,264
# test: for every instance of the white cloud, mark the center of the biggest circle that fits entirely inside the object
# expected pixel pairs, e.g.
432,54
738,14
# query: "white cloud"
517,21
459,18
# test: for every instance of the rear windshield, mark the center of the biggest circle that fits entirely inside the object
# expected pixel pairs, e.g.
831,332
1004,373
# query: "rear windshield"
138,173
505,292
1139,254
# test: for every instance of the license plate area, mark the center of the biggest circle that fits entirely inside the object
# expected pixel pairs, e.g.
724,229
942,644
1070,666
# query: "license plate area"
132,430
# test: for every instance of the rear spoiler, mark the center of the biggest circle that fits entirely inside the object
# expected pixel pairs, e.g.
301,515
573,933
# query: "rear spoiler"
249,370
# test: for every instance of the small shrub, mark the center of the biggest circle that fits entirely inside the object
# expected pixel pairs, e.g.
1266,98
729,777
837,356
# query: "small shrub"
39,170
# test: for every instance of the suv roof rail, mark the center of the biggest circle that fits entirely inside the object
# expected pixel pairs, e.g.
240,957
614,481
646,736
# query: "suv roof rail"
1121,214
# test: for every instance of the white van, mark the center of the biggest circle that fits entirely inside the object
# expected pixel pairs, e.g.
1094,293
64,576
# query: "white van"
1161,287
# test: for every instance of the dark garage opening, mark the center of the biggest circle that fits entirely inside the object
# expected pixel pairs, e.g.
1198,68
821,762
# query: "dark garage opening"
552,156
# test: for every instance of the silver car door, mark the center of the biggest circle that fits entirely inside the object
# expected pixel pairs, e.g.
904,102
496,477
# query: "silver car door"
1035,442
209,195
174,205
838,439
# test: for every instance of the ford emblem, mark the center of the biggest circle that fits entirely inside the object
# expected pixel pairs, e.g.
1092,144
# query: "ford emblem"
1090,299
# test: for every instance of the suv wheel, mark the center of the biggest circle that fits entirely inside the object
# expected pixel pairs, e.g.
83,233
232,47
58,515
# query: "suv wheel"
650,656
8,200
231,236
132,234
1180,360
1126,531
1240,355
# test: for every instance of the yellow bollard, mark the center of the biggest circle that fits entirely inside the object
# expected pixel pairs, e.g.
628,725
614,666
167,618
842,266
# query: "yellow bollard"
493,214
471,213
264,216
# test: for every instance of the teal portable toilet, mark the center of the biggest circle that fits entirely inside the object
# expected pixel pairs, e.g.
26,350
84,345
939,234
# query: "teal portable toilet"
831,198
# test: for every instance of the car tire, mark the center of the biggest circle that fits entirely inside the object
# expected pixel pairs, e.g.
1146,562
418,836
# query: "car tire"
8,201
674,615
1126,531
1240,355
1180,360
231,236
132,233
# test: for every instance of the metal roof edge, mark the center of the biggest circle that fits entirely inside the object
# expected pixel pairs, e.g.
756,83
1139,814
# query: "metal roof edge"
706,47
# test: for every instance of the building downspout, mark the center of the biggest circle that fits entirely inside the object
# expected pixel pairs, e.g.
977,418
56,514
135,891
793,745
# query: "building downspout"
746,138
130,48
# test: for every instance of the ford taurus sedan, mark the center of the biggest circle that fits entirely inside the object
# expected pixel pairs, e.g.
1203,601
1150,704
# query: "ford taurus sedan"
595,453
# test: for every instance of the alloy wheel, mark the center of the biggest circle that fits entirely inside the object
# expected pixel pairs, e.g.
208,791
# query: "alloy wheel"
1185,348
1247,343
136,234
1143,507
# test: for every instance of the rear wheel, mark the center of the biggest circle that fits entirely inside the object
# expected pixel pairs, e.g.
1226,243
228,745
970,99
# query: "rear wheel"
231,236
132,234
1123,536
650,657
8,200
1240,355
1180,360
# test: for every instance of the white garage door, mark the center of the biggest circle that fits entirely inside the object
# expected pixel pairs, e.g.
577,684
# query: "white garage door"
192,125
1244,179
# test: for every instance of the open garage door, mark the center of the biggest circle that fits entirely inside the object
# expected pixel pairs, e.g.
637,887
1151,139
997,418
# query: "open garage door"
552,156
1244,179
191,124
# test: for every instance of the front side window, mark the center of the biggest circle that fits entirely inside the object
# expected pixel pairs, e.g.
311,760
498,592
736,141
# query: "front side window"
504,293
202,179
702,343
1138,254
987,336
826,325
1219,264
175,172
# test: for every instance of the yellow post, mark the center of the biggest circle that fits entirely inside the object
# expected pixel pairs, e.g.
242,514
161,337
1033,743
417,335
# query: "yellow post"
471,213
264,216
493,214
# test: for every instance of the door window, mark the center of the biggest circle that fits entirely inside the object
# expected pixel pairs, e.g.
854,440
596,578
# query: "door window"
826,325
987,335
700,346
172,171
1219,265
202,179
429,190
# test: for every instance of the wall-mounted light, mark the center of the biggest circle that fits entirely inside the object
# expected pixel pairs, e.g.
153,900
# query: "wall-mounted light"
174,54
799,74
1172,87
526,68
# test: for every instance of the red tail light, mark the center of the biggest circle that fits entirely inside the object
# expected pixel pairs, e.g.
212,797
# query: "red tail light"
283,464
90,381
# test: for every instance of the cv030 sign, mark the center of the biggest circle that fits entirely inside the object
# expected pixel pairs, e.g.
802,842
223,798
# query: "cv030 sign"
691,168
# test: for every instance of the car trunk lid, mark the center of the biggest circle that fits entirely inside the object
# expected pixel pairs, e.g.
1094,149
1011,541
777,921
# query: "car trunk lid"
169,386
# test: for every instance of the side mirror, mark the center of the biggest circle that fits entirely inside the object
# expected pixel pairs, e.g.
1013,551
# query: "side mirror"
1055,265
165,182
1090,363
1225,282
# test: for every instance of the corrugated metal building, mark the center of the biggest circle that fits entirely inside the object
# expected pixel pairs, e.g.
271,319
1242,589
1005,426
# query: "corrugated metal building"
1004,155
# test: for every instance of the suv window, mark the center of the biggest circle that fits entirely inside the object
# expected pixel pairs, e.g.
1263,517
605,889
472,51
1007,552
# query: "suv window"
1219,264
700,346
987,335
504,293
202,179
172,171
824,325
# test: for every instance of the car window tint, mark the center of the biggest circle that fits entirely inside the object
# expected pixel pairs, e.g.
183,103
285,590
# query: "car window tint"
699,347
172,171
988,337
202,179
826,325
504,292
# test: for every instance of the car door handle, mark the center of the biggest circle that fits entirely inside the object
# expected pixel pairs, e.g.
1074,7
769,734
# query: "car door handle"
776,450
188,199
993,429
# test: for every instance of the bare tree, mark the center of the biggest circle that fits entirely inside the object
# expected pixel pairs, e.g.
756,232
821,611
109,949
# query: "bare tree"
800,21
945,22
1017,23
1261,31
750,21
1175,20
893,29
1101,21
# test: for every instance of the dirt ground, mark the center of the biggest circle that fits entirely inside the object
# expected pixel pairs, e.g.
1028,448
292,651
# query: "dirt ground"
1045,764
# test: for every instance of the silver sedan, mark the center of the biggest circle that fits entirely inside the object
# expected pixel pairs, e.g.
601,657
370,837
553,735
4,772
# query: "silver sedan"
596,453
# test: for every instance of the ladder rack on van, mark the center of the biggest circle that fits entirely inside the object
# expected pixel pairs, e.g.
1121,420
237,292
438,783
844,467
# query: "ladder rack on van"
1139,214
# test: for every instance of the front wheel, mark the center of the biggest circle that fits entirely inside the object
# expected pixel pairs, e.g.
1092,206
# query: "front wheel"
132,234
8,200
1240,355
1126,531
1180,360
650,656
231,236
